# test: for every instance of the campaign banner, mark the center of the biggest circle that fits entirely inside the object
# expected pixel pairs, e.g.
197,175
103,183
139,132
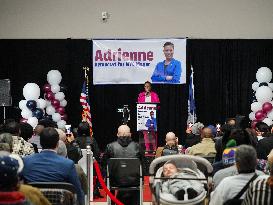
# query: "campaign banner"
146,117
137,61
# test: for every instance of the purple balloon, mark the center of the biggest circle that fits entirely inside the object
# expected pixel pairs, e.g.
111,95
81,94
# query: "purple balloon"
49,96
55,103
267,107
60,110
64,117
46,88
259,115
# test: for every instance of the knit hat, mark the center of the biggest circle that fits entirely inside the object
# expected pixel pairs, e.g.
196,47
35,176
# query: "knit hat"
213,130
229,156
8,169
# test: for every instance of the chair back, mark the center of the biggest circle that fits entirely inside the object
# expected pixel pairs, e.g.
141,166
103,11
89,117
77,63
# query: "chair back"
58,193
124,172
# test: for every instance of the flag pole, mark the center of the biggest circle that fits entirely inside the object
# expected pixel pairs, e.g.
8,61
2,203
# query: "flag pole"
87,92
193,120
87,80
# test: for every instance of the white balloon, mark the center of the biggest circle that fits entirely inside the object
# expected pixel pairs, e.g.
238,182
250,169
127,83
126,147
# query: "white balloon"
23,104
255,86
26,113
56,117
270,115
33,121
41,103
264,94
270,85
48,103
61,124
54,77
264,74
55,88
31,91
256,106
268,121
50,110
63,103
59,96
252,116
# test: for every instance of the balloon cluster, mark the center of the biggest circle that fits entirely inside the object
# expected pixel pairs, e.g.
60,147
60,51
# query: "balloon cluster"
33,106
54,96
262,108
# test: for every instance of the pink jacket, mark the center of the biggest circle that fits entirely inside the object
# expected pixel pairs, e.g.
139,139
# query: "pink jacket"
154,97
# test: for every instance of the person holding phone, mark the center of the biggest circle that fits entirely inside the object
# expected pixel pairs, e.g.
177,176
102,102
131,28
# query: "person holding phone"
148,95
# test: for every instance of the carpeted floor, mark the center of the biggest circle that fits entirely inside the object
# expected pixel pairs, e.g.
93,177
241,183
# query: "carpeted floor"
147,196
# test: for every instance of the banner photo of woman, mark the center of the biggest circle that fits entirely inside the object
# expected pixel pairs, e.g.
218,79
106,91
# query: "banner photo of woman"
137,61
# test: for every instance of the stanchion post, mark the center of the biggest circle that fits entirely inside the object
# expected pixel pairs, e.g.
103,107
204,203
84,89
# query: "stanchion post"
89,168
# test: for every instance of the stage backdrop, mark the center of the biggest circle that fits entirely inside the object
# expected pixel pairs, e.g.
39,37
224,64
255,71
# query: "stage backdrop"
136,61
223,73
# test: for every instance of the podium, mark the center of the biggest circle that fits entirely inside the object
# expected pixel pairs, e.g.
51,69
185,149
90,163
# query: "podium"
147,126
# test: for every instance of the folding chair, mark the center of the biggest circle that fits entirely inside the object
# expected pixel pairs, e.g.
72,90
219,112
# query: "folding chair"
58,193
125,174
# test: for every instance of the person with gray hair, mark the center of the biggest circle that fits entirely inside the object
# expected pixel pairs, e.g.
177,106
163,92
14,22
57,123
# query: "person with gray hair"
6,142
193,134
229,187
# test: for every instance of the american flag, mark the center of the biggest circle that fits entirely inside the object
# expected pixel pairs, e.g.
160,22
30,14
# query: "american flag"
86,113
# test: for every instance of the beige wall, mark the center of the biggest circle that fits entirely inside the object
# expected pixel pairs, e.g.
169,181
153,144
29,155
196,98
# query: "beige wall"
136,18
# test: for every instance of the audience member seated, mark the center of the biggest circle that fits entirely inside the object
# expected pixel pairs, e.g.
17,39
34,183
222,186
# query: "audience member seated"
264,145
62,151
62,135
206,147
124,147
47,166
35,139
228,164
193,135
221,141
47,123
32,194
262,130
20,146
9,193
26,132
79,140
6,142
85,139
229,187
74,151
260,191
180,187
171,145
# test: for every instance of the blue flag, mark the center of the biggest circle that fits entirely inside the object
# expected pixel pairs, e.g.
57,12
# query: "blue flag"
191,101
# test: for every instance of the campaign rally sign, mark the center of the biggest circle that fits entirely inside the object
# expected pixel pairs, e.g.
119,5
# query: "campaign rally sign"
146,116
137,61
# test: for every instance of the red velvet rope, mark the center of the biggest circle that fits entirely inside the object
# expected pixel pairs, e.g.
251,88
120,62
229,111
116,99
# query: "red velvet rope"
99,175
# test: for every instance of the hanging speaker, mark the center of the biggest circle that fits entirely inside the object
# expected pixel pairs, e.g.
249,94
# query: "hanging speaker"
5,96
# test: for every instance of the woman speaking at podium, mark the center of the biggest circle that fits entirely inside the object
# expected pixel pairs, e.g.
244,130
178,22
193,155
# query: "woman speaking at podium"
148,96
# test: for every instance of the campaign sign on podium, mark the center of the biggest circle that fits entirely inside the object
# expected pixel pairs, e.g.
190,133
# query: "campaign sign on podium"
146,116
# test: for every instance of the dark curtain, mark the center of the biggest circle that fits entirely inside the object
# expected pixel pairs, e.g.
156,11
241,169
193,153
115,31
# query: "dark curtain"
223,73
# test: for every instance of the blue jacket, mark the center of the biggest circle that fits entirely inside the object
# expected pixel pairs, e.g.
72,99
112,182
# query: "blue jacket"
173,69
149,122
47,166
